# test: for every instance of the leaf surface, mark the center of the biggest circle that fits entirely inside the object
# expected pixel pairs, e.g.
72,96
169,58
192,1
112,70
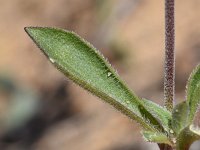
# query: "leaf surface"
163,116
156,137
193,92
83,64
180,117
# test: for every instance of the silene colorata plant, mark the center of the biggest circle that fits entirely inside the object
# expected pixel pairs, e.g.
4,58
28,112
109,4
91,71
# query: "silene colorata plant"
171,126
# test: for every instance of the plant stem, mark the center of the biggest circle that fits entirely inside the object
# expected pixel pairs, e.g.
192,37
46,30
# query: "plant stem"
165,147
169,78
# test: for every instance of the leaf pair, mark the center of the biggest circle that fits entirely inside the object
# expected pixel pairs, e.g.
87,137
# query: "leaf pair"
83,64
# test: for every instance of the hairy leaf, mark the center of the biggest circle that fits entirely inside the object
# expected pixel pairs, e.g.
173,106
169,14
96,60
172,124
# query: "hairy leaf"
193,92
180,117
83,64
163,116
156,137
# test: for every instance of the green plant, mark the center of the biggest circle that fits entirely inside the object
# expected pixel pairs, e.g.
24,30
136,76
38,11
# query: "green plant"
170,126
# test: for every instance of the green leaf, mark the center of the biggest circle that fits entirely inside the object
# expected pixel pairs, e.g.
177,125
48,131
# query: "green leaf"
156,137
83,64
193,92
187,136
180,117
163,116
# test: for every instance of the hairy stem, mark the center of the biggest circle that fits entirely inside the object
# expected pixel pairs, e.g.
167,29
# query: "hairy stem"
169,84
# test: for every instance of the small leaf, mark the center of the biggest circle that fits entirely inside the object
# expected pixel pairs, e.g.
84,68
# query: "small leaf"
160,113
193,92
187,136
83,64
180,117
156,137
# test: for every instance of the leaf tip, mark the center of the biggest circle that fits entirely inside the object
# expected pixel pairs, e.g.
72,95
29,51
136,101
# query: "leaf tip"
30,31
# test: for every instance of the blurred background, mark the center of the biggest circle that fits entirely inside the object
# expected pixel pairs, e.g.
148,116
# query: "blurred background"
41,109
